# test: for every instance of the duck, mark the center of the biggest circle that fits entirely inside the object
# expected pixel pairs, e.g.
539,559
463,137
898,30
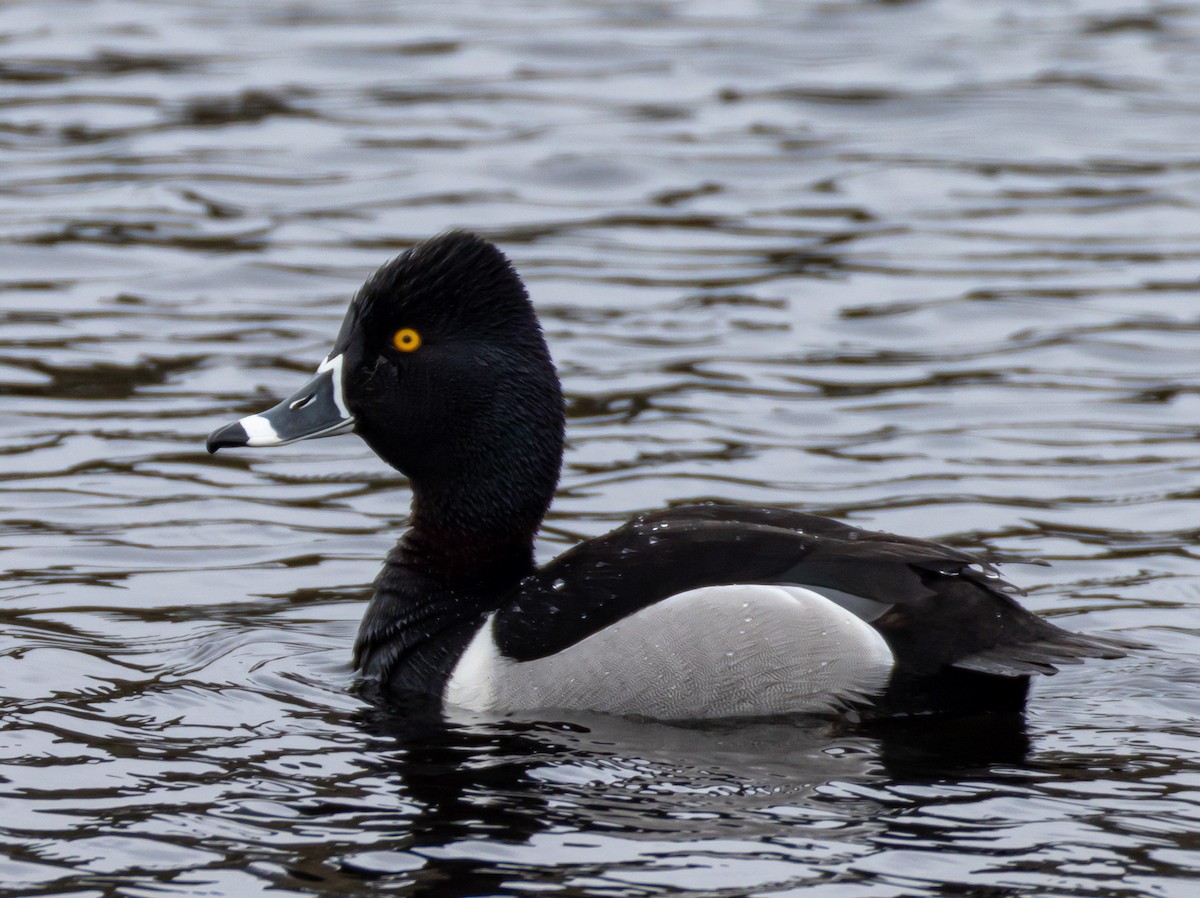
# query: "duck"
694,612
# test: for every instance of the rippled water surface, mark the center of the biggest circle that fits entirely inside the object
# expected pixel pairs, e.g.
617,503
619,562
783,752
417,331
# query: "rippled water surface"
931,266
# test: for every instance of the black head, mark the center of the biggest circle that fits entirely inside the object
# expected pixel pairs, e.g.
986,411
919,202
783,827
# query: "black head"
441,366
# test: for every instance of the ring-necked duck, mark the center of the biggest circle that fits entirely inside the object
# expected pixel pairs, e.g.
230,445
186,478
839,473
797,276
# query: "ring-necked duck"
694,612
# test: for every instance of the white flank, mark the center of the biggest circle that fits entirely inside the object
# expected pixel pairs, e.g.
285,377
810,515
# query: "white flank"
717,651
472,684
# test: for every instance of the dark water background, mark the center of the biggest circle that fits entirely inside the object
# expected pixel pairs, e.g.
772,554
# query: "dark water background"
932,266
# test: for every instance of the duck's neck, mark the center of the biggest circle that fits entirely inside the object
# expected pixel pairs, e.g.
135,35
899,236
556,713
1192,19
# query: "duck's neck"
481,542
478,500
462,557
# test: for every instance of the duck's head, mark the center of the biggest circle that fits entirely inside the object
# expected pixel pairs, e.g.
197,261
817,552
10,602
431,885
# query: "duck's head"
441,366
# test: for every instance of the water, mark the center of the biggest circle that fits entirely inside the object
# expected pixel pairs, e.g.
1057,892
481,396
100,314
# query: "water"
929,266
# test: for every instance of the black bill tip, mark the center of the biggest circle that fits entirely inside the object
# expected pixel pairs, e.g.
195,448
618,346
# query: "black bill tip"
228,436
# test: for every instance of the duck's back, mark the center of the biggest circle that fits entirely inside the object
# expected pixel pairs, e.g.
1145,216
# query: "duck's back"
723,610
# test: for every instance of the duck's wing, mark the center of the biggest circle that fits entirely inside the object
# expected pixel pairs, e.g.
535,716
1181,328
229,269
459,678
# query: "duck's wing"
937,607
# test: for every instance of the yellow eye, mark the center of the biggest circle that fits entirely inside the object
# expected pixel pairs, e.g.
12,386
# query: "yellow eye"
406,339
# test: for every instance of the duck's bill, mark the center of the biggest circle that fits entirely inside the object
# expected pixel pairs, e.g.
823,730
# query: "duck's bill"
317,409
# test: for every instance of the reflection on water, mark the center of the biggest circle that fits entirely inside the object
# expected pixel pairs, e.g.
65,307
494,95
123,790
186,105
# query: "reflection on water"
931,266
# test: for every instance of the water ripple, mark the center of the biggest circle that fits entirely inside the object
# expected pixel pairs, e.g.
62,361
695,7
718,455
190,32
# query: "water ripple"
930,266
